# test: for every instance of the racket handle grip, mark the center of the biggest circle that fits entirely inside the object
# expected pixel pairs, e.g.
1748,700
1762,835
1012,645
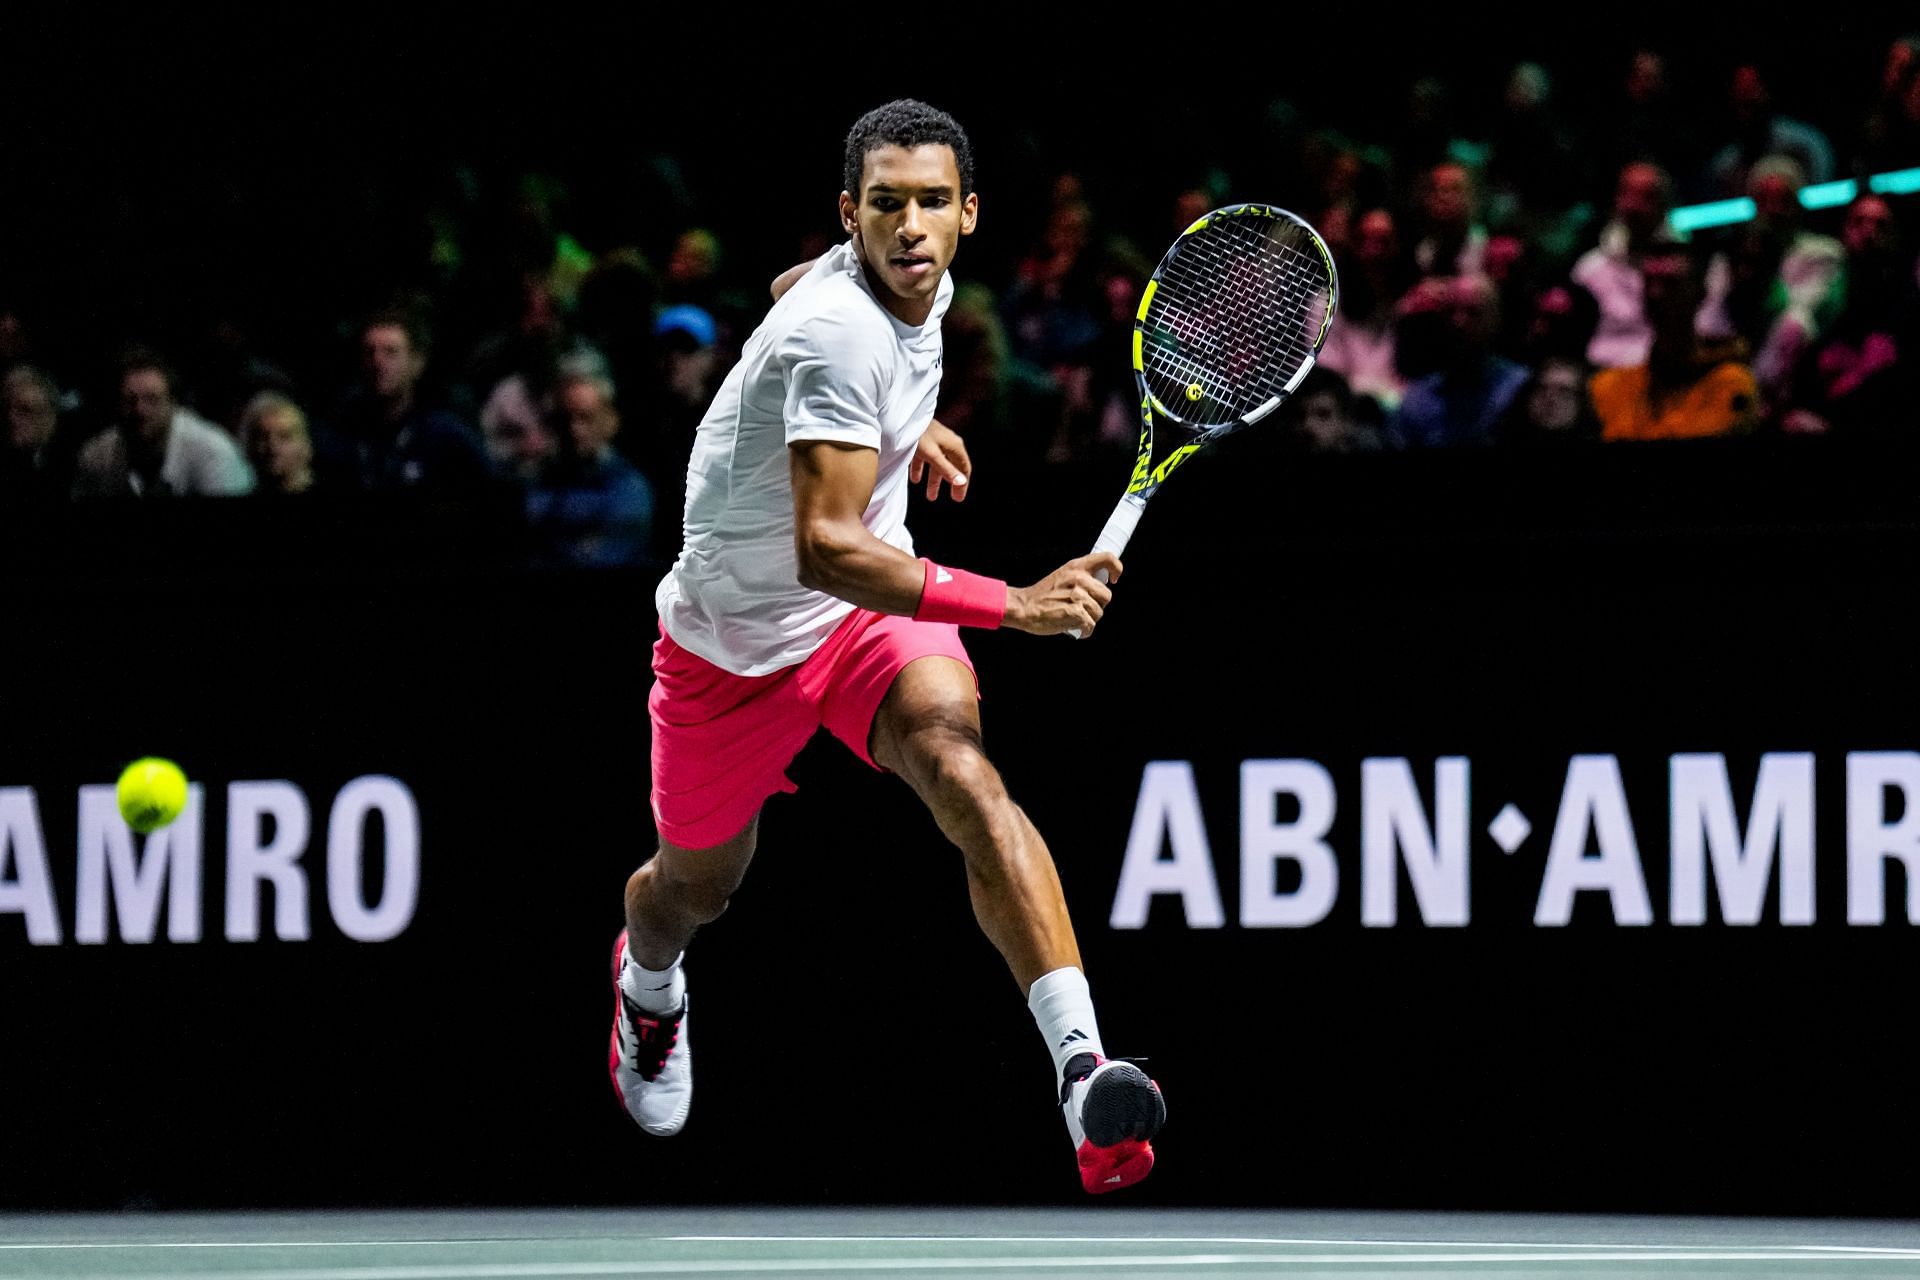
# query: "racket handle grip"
1116,535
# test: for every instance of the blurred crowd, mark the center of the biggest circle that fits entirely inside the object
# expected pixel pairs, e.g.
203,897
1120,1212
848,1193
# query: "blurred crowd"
1524,287
1532,288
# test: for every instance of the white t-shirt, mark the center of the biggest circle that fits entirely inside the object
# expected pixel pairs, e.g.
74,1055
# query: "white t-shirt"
828,363
200,459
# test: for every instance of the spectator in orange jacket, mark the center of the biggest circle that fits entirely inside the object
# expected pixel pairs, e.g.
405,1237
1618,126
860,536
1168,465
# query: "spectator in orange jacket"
1688,386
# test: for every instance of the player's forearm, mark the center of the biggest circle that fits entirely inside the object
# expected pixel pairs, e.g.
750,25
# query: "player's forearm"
861,569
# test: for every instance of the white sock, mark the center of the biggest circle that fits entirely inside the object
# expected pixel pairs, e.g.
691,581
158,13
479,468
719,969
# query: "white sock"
1063,1007
660,992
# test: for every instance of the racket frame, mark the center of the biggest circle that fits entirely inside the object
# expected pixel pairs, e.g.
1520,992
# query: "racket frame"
1147,476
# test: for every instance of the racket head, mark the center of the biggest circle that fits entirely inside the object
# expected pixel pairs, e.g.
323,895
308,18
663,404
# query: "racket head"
1232,319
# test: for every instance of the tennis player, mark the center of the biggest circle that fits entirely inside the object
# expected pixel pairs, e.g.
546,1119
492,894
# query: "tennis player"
797,602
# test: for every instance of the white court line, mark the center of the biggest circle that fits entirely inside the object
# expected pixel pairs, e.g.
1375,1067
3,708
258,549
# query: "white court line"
1886,1251
294,1244
1892,1250
513,1271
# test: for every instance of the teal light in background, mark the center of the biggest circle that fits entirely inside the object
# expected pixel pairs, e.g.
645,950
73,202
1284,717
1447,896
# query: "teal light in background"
1901,182
1720,213
1825,195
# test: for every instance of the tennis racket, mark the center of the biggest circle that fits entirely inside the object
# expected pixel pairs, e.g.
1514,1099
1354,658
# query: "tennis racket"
1230,323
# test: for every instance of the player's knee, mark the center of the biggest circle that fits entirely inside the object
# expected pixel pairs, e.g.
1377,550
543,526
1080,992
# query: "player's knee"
699,894
964,782
700,898
708,892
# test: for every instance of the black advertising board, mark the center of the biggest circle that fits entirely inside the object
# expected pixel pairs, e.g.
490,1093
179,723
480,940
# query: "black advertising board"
1477,832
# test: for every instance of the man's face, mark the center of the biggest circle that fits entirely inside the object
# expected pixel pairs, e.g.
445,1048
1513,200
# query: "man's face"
1869,227
907,222
1449,200
1067,229
1646,76
688,374
1321,418
1640,200
392,365
30,416
1555,401
1775,201
591,421
1900,59
278,445
1374,240
1748,93
146,404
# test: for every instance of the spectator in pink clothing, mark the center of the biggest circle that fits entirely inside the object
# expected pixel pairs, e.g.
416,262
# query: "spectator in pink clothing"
1362,344
1610,270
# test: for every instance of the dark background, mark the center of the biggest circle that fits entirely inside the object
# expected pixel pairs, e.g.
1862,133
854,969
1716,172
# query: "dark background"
858,1040
167,173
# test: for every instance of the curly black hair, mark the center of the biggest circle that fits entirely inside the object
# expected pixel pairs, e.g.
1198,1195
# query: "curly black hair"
906,122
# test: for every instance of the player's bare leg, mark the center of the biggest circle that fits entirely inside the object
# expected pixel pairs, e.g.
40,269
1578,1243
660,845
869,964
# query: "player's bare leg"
928,731
678,890
650,1055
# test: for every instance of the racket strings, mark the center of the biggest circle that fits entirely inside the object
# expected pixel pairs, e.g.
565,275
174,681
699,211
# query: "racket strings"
1239,309
1261,264
1254,313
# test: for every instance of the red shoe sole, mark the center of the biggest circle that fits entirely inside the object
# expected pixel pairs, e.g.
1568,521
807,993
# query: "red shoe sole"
613,1036
1104,1169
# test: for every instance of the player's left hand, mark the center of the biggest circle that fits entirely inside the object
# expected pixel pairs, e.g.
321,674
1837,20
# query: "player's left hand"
941,456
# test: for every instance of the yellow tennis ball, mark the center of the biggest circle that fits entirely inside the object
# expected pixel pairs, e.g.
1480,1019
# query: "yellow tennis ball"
151,793
1195,391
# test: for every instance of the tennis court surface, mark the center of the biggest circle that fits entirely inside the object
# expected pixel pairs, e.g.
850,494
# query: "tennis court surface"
1005,1244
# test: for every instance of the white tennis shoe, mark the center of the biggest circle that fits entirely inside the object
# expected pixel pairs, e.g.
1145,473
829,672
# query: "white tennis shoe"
1112,1111
649,1058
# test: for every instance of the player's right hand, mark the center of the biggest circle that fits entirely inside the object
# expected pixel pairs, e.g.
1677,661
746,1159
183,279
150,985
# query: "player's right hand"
1071,598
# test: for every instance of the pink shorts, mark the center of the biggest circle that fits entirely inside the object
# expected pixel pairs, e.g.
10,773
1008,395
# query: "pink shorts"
722,742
